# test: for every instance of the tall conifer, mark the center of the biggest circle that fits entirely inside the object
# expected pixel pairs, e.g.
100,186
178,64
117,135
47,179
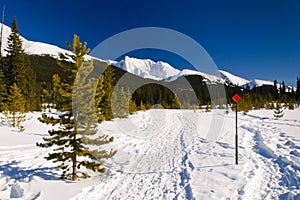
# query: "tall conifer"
108,87
78,119
17,69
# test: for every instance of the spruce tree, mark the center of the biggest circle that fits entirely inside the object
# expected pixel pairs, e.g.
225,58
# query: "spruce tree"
3,94
142,106
52,95
15,108
278,112
119,103
226,109
108,87
132,105
17,69
175,103
208,107
77,121
98,99
298,91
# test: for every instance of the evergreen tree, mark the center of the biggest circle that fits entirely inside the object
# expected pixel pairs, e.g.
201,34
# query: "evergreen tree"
15,108
175,103
131,103
52,95
283,88
98,99
3,95
278,112
226,109
275,90
298,91
142,106
17,69
120,101
105,104
77,122
292,103
199,103
208,107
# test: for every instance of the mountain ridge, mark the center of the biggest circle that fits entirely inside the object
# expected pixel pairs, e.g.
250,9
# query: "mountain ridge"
145,68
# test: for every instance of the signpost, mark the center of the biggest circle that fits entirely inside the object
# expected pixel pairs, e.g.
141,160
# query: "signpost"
236,98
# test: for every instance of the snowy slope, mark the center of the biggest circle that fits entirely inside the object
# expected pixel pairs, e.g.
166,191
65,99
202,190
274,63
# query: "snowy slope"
259,83
207,77
147,68
31,47
235,80
269,163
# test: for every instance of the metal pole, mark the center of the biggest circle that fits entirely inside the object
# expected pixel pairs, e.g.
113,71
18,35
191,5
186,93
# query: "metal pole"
236,134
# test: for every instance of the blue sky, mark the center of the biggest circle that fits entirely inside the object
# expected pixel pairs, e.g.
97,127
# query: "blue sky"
252,39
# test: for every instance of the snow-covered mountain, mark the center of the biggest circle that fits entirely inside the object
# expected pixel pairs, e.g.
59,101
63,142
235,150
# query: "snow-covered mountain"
144,68
235,80
147,68
31,47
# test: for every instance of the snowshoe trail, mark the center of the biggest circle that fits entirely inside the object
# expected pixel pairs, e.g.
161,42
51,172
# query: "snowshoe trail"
164,154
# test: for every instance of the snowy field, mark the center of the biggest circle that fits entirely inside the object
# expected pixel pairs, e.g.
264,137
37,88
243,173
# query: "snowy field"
163,154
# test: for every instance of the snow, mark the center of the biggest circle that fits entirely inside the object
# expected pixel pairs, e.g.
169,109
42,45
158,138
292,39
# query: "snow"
163,154
30,47
235,80
259,83
147,68
207,77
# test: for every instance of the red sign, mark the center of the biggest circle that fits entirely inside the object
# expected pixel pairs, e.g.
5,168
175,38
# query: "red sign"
236,98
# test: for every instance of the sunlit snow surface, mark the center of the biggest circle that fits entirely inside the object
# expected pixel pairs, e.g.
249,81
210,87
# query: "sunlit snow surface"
269,159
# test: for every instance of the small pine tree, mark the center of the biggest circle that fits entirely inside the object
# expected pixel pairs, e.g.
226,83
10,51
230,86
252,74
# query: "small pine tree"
208,107
175,103
270,106
119,102
15,108
77,121
3,94
226,109
131,103
278,112
292,103
142,106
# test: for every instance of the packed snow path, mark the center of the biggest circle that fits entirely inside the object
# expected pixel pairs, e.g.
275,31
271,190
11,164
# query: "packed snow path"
163,154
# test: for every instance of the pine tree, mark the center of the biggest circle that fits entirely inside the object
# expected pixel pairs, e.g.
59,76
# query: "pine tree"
120,101
142,106
278,112
15,108
98,99
52,95
131,103
77,121
226,109
275,90
298,91
208,107
108,87
292,103
3,94
17,69
175,103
